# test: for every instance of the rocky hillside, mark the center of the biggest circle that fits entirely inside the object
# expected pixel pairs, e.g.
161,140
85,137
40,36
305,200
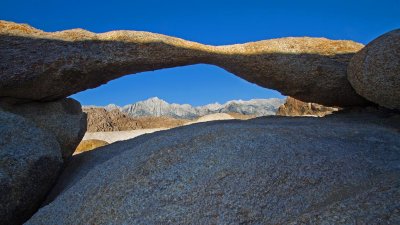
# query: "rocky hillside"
155,107
294,107
103,120
157,113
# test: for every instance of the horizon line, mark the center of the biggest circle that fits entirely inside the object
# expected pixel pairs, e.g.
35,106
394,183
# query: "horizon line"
103,106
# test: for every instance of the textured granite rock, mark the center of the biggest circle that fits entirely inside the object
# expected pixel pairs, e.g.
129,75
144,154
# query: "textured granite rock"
30,159
63,118
374,72
308,69
55,65
340,169
294,107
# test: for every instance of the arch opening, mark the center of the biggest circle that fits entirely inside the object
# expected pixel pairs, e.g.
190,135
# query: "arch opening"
151,101
196,85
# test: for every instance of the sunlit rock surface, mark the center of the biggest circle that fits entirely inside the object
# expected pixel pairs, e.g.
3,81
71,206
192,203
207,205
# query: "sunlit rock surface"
294,107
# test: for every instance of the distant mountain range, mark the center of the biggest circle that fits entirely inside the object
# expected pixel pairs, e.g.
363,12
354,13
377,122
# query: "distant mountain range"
158,107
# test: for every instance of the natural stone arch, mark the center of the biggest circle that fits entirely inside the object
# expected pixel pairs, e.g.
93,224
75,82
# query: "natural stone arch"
56,65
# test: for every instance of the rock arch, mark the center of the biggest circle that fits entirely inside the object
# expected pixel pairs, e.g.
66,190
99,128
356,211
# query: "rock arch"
54,65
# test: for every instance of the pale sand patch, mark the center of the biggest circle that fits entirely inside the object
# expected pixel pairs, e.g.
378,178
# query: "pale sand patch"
114,136
212,117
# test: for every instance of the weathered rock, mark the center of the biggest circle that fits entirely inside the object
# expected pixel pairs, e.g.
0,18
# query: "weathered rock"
294,107
29,163
55,65
340,169
63,118
374,72
308,69
87,145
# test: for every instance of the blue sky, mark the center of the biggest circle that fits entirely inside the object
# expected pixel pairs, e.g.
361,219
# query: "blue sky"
206,21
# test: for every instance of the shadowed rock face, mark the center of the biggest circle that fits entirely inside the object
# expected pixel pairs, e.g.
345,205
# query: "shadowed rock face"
55,65
374,72
30,159
63,118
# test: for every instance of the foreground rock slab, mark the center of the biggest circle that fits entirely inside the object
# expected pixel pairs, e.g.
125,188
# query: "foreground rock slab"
340,169
30,159
294,107
55,65
63,118
374,72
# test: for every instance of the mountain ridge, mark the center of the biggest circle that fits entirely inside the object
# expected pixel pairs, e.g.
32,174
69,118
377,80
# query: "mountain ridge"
158,107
